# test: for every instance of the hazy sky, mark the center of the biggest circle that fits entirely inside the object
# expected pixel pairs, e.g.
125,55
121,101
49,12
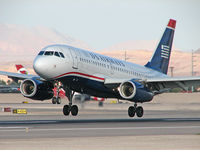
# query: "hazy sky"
102,23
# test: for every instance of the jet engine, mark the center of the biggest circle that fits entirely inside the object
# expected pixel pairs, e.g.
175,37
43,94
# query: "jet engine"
127,90
134,91
37,90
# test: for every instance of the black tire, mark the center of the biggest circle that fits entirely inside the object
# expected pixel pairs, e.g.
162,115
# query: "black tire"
58,100
139,111
53,100
131,111
66,110
74,110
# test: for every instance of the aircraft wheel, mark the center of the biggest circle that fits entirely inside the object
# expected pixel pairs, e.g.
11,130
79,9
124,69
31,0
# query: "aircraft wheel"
58,100
139,111
66,110
74,110
53,100
131,111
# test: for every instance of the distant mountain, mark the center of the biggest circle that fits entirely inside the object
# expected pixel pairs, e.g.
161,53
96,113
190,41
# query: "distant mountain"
134,45
197,51
24,42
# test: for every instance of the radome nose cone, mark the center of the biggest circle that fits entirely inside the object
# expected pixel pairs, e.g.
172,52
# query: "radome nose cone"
38,66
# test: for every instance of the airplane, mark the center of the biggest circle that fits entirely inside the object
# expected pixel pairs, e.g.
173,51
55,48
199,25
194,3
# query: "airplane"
97,75
9,89
20,69
99,99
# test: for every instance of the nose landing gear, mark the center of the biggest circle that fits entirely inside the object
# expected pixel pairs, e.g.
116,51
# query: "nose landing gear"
56,98
132,110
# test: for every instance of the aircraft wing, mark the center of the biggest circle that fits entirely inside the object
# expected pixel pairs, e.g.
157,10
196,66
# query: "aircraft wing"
113,83
182,82
158,84
17,75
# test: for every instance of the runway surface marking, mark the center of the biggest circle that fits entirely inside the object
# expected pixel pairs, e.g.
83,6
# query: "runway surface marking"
89,129
99,120
12,128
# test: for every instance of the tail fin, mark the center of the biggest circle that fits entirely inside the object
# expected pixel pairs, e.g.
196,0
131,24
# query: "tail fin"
21,69
161,57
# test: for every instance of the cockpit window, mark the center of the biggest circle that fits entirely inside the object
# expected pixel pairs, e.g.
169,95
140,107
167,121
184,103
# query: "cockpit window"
49,53
41,53
56,54
61,54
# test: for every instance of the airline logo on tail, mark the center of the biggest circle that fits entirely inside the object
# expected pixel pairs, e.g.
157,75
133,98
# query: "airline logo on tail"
21,69
165,51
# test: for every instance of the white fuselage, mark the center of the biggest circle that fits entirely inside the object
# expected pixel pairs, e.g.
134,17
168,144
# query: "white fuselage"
87,65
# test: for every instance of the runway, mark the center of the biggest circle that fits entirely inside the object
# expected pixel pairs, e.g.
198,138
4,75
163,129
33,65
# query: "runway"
101,127
98,128
164,126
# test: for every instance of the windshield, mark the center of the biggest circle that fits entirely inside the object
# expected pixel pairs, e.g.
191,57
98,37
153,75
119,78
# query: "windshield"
49,53
56,54
41,53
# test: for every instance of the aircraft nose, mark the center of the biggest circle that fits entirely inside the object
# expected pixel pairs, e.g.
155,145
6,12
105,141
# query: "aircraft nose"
39,66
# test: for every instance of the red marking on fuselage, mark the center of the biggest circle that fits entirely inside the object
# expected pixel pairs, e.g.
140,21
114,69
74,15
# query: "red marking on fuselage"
78,73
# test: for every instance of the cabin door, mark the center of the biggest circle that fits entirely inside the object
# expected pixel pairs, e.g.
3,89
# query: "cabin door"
75,57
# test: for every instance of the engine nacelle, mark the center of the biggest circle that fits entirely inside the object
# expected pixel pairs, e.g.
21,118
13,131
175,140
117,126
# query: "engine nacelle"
127,90
37,90
134,91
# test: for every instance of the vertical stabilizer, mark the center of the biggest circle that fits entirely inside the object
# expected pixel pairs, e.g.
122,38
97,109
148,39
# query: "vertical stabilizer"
20,69
161,57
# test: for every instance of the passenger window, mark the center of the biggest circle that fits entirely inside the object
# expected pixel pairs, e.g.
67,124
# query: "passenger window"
49,53
41,53
61,54
57,54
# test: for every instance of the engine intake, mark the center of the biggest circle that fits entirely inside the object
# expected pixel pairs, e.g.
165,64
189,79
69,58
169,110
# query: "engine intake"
37,90
134,91
127,90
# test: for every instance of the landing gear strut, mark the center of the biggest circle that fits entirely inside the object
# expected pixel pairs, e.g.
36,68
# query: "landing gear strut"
57,99
70,108
132,110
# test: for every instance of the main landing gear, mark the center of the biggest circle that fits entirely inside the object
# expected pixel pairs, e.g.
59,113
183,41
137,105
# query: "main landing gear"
132,110
70,108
